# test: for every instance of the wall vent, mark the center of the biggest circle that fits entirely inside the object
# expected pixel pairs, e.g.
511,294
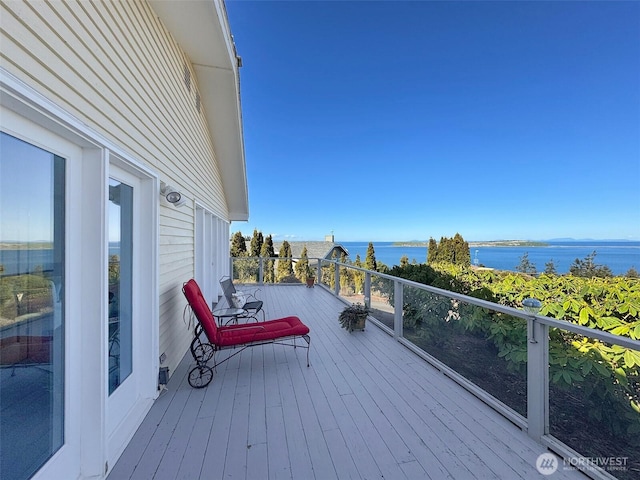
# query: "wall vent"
187,77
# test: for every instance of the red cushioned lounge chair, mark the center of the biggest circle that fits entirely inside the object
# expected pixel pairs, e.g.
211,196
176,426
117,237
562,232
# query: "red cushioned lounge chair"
282,331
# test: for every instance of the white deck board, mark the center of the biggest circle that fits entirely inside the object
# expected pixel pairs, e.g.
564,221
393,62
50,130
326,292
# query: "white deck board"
367,407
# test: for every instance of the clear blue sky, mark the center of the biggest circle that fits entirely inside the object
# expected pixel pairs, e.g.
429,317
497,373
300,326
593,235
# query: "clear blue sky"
408,120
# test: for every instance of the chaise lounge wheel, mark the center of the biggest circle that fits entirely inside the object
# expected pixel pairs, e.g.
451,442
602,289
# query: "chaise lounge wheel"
200,376
203,352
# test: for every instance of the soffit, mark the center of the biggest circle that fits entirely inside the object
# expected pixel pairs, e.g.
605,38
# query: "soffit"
201,29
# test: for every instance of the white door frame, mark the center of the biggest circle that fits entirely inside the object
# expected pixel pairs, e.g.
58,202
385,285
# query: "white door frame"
130,402
65,462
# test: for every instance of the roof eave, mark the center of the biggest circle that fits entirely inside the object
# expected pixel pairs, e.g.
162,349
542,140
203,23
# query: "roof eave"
201,28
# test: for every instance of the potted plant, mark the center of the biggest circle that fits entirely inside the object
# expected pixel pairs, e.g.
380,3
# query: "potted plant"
354,317
311,277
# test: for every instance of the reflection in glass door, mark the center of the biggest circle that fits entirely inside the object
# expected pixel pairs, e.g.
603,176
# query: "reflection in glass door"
32,293
120,283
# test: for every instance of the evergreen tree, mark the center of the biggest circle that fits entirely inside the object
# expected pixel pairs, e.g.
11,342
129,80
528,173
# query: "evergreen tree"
432,251
302,266
267,252
632,273
525,265
550,268
285,264
588,268
370,260
345,273
238,245
461,251
267,247
445,253
256,243
450,250
358,276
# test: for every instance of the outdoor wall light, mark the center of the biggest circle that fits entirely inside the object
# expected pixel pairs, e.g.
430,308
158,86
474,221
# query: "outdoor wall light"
172,195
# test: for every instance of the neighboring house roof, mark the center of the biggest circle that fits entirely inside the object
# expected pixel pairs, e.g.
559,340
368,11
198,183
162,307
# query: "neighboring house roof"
202,31
314,249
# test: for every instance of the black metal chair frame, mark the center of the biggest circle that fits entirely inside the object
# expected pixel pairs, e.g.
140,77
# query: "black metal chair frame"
203,351
252,307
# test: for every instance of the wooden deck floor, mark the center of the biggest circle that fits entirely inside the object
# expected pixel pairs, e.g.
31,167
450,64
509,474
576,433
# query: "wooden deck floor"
366,408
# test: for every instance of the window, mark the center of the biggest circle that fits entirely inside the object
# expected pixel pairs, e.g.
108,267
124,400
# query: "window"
120,282
32,293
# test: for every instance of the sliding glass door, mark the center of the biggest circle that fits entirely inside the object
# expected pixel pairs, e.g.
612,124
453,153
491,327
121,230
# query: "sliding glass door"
130,348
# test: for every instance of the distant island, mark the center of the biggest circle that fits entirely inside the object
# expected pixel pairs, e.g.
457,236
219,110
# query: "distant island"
36,245
490,243
508,243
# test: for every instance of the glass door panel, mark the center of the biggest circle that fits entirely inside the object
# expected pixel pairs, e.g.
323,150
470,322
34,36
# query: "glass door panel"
120,283
32,293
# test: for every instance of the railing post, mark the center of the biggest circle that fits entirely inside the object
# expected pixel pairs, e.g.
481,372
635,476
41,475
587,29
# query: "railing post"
367,289
260,270
537,379
336,278
231,268
398,292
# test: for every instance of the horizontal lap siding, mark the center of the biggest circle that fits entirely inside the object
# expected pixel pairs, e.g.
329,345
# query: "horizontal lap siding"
114,66
177,253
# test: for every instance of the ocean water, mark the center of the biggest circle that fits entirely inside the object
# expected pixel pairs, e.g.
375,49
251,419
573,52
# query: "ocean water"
618,256
25,261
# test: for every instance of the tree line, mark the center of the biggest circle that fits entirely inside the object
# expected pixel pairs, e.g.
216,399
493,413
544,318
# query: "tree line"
281,268
453,251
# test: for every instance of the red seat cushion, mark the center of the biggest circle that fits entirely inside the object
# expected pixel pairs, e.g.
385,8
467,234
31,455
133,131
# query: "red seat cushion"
262,331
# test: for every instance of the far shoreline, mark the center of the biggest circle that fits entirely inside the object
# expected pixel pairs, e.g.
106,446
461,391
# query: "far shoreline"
489,243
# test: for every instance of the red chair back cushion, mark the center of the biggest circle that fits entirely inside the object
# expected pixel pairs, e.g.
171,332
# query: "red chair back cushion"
200,308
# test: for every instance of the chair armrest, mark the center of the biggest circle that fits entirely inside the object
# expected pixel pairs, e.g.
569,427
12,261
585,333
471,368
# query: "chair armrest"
253,293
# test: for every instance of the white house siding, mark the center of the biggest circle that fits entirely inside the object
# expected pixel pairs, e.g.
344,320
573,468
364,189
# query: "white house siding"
115,67
176,252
